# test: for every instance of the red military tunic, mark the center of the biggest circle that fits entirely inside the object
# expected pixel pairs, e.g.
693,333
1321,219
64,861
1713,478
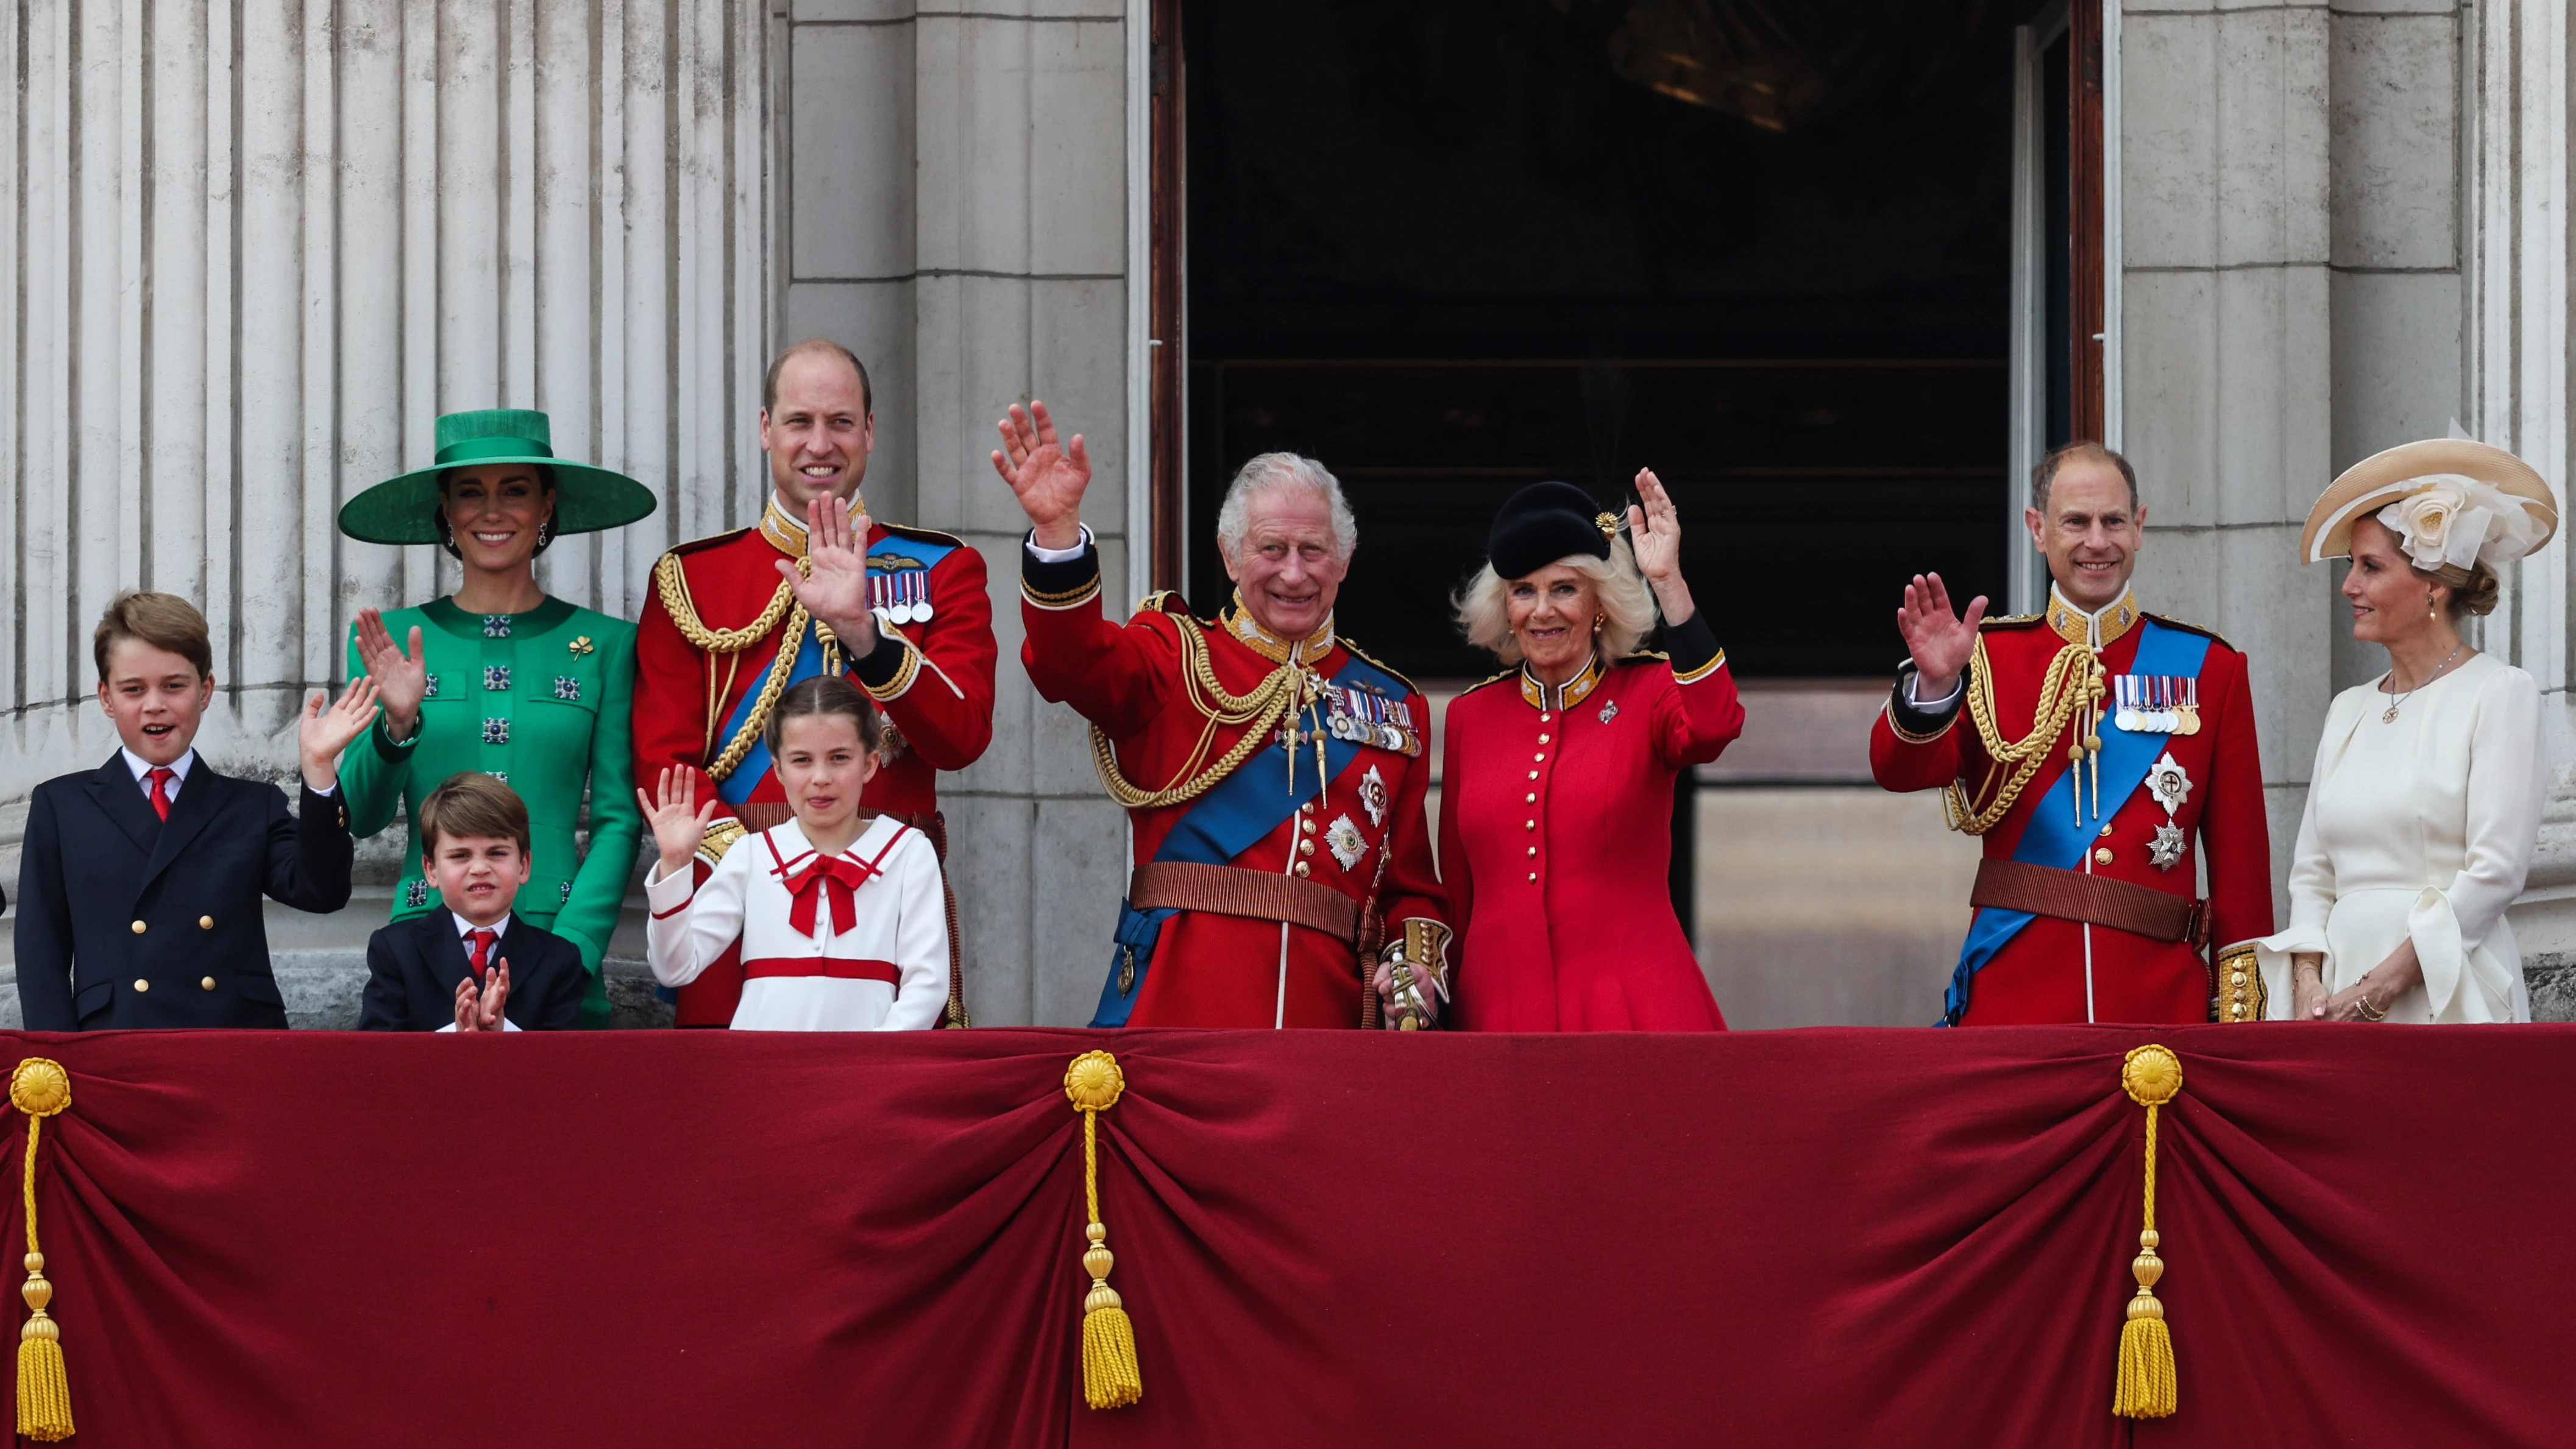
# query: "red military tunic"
2043,974
1364,838
700,667
1556,841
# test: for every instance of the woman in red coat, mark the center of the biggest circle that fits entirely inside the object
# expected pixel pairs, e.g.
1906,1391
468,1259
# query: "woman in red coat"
1556,799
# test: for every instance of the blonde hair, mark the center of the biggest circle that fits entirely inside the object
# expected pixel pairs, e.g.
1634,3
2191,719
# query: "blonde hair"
1483,604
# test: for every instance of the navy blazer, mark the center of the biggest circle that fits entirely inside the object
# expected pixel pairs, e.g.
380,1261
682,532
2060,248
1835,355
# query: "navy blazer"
127,920
413,968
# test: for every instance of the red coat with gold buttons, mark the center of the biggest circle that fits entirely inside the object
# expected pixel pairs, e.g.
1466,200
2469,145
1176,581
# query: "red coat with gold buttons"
1556,842
2042,974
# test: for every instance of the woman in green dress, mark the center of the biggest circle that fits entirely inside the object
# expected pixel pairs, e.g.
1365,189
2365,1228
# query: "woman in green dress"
501,678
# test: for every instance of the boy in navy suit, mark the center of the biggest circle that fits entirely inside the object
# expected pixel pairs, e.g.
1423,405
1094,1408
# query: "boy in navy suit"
451,970
139,892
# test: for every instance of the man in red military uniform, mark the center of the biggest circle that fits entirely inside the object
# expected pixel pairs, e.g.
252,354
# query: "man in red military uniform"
736,618
1273,775
2100,743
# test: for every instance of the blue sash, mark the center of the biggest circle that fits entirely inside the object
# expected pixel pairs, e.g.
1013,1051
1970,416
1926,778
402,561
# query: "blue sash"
755,764
2054,837
1233,816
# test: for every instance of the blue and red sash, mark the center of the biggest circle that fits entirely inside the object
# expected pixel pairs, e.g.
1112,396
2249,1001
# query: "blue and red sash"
2054,837
1233,816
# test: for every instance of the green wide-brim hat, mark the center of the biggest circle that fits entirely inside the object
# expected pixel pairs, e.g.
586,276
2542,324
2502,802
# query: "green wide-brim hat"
405,509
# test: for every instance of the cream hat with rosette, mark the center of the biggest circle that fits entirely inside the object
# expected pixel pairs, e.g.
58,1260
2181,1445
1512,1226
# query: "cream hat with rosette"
2451,501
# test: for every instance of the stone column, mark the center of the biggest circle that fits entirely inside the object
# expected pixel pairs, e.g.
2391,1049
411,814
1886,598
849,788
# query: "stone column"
957,214
2225,330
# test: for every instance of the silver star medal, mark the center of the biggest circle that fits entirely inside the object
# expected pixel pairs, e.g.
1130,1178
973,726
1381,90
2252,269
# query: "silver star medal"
1373,795
1609,712
2170,787
1346,842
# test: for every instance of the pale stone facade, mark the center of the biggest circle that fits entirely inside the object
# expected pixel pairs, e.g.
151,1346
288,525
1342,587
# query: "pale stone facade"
255,246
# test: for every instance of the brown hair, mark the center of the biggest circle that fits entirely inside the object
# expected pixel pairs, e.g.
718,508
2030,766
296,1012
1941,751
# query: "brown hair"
470,805
2083,450
2473,589
826,694
769,384
164,621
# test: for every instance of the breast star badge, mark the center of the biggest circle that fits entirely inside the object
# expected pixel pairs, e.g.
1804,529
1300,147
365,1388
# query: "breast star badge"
2165,851
1373,795
2170,787
1347,844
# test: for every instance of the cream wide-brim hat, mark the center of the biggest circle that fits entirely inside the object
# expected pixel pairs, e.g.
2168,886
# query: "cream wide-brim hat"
2383,478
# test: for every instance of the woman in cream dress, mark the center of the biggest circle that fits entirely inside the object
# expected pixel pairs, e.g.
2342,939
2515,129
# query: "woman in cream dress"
2424,804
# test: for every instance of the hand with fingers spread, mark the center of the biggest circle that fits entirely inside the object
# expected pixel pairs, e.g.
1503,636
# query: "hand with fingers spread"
321,734
1655,534
401,677
482,1010
835,587
1940,642
679,822
1048,477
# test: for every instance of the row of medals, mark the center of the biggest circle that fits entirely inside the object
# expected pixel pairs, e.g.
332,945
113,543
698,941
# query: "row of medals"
2140,716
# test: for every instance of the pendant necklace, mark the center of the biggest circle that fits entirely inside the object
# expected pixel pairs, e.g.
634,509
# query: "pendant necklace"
2389,715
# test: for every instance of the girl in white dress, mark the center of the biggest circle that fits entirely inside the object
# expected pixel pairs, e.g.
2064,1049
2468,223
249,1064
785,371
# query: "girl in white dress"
840,914
2424,804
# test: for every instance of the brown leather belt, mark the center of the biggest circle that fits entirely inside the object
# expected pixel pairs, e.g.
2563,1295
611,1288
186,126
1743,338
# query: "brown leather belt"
2071,895
1228,890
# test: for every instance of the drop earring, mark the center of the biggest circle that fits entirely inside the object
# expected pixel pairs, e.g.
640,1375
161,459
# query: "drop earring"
2430,612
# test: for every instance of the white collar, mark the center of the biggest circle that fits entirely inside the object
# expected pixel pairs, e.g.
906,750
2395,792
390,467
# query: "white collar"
143,767
465,928
789,840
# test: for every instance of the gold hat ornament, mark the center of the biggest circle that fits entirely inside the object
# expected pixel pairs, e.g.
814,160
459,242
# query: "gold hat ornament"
2503,509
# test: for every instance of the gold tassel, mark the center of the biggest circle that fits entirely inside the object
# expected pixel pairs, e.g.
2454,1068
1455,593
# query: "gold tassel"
40,1088
1109,1376
2146,1388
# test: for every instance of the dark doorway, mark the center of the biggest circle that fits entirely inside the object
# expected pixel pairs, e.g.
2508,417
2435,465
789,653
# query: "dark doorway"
1453,246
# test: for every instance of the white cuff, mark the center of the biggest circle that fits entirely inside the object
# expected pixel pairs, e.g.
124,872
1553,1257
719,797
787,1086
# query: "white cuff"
1060,555
1933,706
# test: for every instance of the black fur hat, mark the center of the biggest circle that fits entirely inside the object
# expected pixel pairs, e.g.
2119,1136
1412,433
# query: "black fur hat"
1546,522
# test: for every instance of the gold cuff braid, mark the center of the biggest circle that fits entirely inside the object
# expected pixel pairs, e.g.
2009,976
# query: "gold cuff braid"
1908,736
1424,946
720,838
1066,599
904,673
2241,995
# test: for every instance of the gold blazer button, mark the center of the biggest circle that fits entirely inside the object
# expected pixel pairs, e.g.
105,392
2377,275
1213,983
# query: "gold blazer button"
138,928
205,923
142,985
208,983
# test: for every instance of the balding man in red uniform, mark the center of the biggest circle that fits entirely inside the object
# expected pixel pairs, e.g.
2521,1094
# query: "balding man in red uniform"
735,619
1273,774
2101,745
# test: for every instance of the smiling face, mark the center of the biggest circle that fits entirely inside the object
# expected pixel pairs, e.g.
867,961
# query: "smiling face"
2090,532
478,876
1286,565
156,698
823,767
819,433
2391,603
494,513
1551,613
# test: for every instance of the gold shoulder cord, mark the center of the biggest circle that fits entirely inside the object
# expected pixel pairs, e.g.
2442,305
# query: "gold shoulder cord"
674,588
2073,683
1276,702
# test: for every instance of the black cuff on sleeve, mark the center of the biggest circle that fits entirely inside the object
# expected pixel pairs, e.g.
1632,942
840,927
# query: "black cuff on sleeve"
1912,720
882,663
1059,579
1691,644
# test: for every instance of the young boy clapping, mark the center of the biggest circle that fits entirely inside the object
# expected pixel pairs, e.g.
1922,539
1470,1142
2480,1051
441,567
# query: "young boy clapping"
453,970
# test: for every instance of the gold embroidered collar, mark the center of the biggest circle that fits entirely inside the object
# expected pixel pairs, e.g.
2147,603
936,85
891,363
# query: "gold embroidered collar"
786,533
1562,696
1240,623
2096,632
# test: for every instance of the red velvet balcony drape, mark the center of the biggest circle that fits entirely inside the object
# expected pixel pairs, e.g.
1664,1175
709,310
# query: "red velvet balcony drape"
1793,1238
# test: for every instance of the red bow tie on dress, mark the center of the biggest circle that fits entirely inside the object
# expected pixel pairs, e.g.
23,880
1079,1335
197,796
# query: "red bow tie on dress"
840,877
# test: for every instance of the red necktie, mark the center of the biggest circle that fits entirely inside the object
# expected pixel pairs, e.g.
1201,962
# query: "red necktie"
483,940
836,876
162,775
